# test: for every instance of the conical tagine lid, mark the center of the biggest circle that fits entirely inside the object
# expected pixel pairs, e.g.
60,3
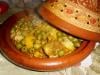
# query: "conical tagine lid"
80,18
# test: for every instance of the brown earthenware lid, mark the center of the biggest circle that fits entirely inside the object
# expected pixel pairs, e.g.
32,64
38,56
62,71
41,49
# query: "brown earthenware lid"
80,18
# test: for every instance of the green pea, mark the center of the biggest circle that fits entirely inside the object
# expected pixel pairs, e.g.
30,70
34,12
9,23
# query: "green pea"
70,38
24,49
61,53
31,50
37,46
19,46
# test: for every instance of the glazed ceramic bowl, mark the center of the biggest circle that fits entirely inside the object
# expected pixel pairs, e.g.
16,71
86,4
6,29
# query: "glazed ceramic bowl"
9,50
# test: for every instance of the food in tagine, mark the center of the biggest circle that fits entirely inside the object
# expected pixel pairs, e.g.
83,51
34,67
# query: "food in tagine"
35,37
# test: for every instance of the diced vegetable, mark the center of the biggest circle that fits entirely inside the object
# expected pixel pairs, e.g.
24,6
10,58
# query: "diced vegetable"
28,41
68,44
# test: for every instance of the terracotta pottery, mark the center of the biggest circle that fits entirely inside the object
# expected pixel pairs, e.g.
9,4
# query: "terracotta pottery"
80,18
9,50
